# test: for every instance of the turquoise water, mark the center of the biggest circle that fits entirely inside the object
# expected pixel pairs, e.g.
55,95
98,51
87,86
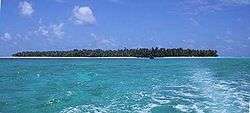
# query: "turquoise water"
124,85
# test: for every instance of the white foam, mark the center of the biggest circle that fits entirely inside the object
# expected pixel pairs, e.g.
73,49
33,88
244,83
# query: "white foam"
69,93
218,95
71,110
222,97
148,108
160,100
197,109
85,109
187,108
182,108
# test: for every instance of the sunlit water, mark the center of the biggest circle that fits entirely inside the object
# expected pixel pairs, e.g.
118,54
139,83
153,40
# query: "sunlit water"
124,85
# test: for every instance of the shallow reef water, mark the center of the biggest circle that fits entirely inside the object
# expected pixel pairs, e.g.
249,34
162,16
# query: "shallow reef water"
204,85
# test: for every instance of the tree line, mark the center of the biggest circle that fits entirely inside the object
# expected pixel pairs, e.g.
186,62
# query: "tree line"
139,52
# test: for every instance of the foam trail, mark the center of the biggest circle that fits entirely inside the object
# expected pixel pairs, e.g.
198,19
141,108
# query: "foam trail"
205,80
219,94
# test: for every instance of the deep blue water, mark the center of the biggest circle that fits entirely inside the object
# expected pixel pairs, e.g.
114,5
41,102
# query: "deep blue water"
125,85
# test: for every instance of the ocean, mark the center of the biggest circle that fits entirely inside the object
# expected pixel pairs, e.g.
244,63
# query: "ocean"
186,85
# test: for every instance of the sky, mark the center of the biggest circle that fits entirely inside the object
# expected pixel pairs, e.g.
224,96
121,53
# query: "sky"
40,25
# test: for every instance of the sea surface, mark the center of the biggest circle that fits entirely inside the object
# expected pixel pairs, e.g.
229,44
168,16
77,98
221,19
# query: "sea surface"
215,85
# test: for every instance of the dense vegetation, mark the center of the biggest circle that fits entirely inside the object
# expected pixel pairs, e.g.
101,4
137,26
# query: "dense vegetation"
139,52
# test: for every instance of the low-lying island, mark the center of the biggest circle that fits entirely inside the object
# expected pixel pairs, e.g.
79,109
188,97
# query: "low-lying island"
139,52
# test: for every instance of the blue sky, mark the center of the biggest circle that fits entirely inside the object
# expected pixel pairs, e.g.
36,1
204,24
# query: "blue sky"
111,24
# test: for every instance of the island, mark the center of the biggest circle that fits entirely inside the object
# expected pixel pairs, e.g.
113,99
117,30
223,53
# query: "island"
139,52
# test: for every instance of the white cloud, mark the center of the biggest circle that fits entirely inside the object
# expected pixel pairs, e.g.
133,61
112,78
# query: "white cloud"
57,30
101,42
51,31
60,1
6,37
83,15
229,41
0,4
194,22
236,2
197,7
93,35
43,31
115,1
26,8
189,43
